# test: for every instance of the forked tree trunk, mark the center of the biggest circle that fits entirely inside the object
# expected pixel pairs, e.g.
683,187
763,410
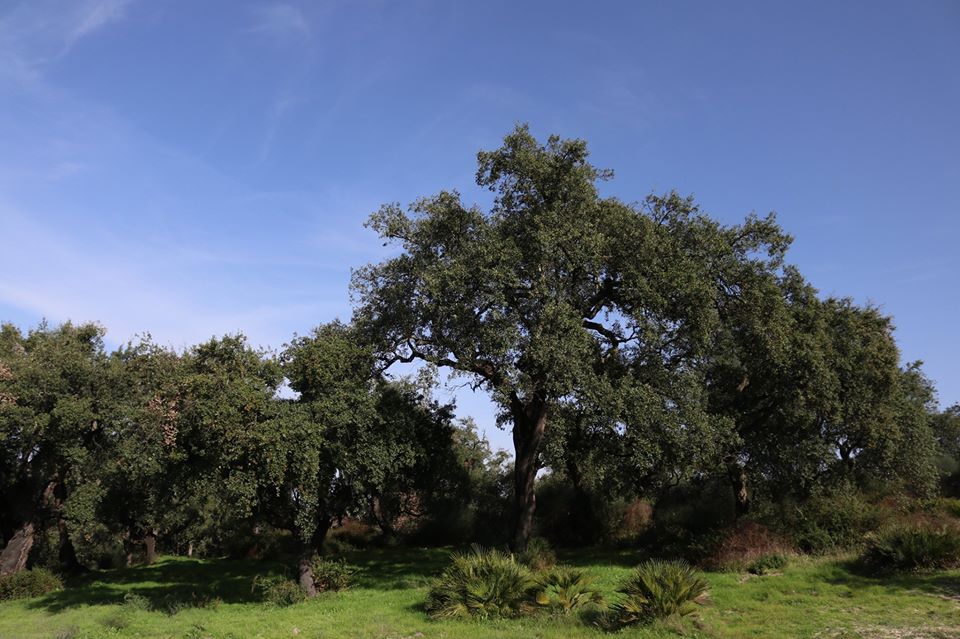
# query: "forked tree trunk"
529,423
14,556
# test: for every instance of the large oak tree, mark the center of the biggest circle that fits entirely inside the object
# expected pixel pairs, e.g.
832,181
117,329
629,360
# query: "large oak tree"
556,290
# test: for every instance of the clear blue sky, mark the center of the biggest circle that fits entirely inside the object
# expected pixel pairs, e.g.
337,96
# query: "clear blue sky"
194,168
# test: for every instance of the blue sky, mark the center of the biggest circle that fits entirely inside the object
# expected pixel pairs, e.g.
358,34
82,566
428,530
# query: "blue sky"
195,168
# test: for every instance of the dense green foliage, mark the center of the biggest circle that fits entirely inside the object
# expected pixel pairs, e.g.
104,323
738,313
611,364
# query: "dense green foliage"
29,583
912,548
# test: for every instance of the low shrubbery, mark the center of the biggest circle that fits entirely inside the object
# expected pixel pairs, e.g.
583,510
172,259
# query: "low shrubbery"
331,574
743,545
29,583
565,589
911,548
829,522
278,590
539,555
658,590
483,584
767,564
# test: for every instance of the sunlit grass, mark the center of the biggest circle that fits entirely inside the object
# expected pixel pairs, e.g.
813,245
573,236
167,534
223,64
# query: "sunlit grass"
212,598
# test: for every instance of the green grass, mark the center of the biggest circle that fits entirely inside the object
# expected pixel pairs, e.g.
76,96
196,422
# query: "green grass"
812,598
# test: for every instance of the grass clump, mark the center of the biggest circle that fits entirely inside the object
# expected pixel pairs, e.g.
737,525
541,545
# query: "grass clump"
133,602
29,583
912,549
767,564
482,584
566,589
277,590
659,590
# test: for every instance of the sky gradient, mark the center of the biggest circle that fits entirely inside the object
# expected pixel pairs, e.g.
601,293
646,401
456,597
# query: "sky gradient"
197,168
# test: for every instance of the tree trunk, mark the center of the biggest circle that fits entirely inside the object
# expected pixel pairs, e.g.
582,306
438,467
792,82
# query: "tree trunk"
382,519
305,564
529,423
190,549
150,546
14,556
67,554
738,481
582,518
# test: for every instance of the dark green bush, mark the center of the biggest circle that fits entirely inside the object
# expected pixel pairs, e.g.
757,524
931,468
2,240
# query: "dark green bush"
539,555
277,590
483,584
331,574
768,563
912,549
828,522
29,583
566,589
659,589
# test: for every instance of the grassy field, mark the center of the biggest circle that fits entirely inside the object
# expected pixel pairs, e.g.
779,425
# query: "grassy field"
212,598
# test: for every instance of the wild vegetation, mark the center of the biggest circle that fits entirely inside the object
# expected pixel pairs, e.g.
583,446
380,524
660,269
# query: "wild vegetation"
679,397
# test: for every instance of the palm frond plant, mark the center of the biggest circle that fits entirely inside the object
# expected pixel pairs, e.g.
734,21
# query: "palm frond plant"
483,584
660,589
566,589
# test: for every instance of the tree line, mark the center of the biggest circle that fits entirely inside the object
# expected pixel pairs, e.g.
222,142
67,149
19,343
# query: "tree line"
630,348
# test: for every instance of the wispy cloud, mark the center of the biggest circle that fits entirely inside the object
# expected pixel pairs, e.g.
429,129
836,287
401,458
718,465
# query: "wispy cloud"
92,16
279,21
33,34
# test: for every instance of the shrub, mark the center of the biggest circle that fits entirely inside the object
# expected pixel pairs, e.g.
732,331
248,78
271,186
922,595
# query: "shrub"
912,548
483,584
133,601
539,555
29,583
741,546
354,534
331,574
660,589
566,589
768,563
277,590
832,522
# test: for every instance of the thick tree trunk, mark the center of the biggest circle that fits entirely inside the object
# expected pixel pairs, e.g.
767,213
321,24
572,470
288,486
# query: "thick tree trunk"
14,556
150,546
305,563
529,423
